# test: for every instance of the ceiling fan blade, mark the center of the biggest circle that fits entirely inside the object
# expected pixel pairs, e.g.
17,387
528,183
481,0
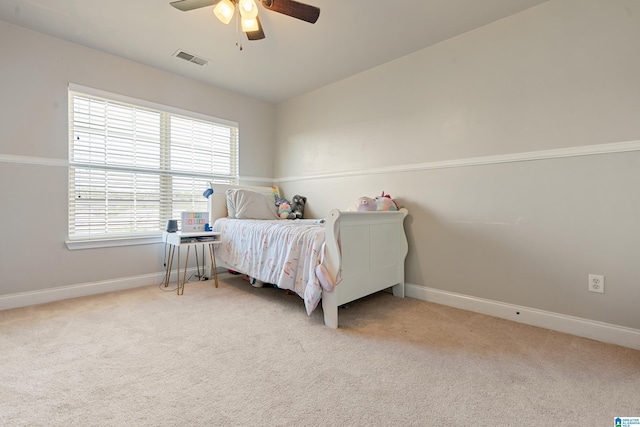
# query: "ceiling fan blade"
257,34
293,8
186,5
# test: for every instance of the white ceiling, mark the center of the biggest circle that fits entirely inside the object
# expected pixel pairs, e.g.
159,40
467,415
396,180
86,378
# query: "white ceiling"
296,57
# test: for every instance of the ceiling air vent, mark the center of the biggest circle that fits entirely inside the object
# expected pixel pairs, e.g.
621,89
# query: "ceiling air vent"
191,58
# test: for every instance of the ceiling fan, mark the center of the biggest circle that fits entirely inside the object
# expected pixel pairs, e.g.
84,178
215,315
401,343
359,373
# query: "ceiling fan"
248,12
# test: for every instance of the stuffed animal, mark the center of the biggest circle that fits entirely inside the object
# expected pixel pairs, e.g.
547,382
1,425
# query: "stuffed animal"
284,210
284,207
297,207
364,204
385,203
380,203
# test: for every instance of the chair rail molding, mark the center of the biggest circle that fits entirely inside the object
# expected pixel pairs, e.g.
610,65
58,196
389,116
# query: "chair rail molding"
585,150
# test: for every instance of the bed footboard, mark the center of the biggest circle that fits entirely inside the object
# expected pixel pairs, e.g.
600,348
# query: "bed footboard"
366,252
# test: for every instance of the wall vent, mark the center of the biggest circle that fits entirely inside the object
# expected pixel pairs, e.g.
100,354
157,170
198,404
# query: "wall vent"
191,58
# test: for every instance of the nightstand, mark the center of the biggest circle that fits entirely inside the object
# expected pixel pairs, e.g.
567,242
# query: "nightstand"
178,240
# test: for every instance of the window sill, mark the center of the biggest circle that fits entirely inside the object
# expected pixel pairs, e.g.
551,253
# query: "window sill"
73,245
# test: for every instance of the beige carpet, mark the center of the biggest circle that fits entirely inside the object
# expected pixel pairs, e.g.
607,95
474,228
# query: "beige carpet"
240,356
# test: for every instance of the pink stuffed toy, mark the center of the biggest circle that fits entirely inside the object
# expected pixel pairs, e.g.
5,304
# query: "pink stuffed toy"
284,210
385,203
380,203
366,204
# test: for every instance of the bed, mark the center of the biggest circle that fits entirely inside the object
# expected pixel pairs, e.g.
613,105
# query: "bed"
360,252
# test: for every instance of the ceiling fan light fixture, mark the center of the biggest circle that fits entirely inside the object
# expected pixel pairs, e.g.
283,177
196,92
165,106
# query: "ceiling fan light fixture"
248,9
245,12
224,11
249,25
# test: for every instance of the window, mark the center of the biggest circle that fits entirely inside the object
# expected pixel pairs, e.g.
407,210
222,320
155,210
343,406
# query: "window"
134,165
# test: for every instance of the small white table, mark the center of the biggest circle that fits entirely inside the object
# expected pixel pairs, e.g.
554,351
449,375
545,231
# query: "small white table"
180,239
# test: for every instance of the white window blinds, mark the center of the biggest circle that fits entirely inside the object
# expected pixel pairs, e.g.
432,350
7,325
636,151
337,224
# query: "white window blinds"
134,165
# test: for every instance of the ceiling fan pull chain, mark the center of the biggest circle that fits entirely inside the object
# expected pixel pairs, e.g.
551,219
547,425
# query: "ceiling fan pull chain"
238,42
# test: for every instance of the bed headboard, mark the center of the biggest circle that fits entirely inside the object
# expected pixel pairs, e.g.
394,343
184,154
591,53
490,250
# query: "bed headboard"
218,200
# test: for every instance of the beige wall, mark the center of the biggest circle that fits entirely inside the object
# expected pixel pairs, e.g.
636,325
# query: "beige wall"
35,72
503,143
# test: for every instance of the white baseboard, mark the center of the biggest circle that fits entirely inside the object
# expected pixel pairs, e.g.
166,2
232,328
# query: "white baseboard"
23,299
599,331
613,334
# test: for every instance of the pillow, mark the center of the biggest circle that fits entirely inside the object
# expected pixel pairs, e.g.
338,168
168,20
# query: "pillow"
249,204
231,202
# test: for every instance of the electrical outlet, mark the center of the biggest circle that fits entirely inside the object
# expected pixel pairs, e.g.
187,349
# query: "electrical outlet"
596,283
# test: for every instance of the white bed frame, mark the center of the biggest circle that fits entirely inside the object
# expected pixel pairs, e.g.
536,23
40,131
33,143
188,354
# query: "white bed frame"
368,249
365,250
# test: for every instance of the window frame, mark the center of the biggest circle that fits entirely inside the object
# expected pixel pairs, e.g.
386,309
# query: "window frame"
148,237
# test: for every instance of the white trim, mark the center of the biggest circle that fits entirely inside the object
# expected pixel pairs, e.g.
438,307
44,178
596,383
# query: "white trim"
29,160
46,161
586,150
599,331
24,299
73,245
613,334
111,96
